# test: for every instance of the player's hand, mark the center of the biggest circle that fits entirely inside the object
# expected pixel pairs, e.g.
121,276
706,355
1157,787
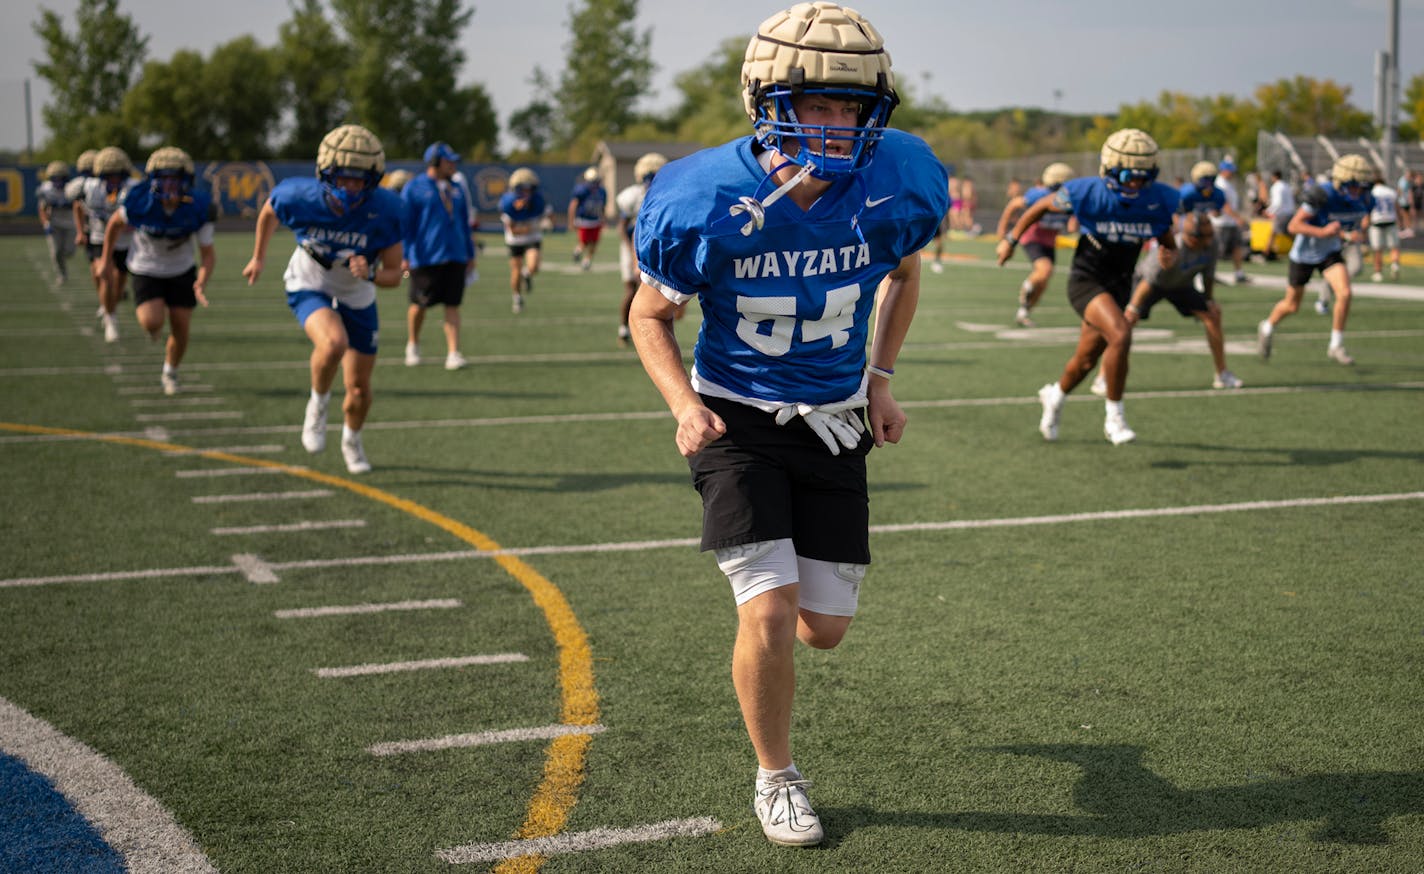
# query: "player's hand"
252,271
359,266
697,426
1004,251
887,420
199,294
1332,230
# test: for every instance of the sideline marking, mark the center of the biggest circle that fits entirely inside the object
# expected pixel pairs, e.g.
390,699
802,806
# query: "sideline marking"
503,658
257,496
291,526
132,822
484,738
566,756
223,471
358,609
255,569
578,842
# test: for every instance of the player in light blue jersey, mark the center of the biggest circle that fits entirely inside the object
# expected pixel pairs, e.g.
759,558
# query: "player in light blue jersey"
1200,193
1328,215
794,241
1118,212
348,233
1040,241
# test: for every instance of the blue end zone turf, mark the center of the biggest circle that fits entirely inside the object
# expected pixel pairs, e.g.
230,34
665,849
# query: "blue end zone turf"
41,831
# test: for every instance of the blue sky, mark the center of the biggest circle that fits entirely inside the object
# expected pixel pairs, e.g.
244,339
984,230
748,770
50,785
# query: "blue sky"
1081,56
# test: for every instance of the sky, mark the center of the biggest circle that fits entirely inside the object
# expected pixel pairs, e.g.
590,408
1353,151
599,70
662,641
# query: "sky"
1083,56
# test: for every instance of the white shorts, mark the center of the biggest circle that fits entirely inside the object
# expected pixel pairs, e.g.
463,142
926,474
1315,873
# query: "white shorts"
1383,237
627,261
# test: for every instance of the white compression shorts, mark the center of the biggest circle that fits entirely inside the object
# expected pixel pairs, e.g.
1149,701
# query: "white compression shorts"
827,587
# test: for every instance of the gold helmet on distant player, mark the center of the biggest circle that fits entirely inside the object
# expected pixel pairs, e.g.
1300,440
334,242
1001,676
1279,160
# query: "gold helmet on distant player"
524,178
84,164
350,152
1056,174
56,170
590,175
170,172
396,180
112,161
1352,170
818,48
1204,175
1128,162
648,167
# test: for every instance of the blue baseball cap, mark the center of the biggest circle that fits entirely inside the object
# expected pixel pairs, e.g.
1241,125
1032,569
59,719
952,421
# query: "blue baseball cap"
1227,164
440,151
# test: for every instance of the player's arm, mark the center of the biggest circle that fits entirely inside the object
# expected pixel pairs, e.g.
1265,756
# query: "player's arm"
81,221
387,272
266,223
116,226
1133,311
650,321
1300,225
896,301
45,211
1008,241
1011,211
1167,249
207,260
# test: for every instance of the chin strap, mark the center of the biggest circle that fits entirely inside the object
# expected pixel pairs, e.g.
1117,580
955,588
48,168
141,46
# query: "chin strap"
756,209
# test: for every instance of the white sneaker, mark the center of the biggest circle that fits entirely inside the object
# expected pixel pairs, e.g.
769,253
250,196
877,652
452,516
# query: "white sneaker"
1264,336
936,267
1322,306
518,305
111,329
1100,385
412,355
785,811
100,313
586,265
1339,355
1021,318
455,361
314,426
1394,271
1242,278
1376,277
1048,423
1115,429
169,381
355,454
1226,379
624,336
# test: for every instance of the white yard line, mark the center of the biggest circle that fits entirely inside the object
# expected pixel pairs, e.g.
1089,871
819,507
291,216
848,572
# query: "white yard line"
227,471
481,738
188,417
579,842
254,568
291,527
260,449
261,496
362,609
503,658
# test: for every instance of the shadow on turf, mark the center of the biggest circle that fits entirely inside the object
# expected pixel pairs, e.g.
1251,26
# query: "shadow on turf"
1279,457
1122,798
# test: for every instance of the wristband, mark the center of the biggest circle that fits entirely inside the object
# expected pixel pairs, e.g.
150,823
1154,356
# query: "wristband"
882,372
1011,239
1133,308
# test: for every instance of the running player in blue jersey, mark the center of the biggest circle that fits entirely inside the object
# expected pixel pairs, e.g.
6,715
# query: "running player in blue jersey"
166,216
586,206
1040,241
524,214
99,196
348,233
1328,215
794,241
1118,211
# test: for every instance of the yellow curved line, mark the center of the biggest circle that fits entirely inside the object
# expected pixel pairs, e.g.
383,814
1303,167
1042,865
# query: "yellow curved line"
565,757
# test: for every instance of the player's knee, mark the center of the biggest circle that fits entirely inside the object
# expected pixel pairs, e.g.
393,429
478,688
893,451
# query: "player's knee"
822,632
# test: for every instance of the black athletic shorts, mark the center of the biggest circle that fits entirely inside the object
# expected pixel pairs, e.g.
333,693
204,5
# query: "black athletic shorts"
1082,290
1300,273
120,257
764,481
176,291
1034,251
438,284
1186,299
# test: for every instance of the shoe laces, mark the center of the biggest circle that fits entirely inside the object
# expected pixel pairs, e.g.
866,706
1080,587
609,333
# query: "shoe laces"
768,794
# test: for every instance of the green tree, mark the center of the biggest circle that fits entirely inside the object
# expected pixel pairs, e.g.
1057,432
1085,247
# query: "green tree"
89,71
711,109
608,69
1411,126
1306,107
170,105
313,58
536,125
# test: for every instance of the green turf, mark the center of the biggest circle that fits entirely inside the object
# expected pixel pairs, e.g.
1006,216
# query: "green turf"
1216,691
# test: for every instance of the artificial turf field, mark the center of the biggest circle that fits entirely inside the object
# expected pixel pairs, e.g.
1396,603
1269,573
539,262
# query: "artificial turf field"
1200,652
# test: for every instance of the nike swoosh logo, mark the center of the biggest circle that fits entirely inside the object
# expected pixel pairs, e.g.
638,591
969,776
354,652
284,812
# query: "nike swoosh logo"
1152,206
873,203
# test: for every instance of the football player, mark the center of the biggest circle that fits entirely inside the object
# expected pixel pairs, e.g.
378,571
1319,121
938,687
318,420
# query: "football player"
586,206
348,233
101,194
56,211
1040,241
524,214
629,202
1118,211
794,241
165,217
1329,215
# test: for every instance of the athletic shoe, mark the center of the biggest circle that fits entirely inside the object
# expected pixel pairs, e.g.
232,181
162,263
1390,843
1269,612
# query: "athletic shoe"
1376,277
1339,355
1115,429
1322,306
1242,278
412,355
578,253
111,329
526,282
1048,423
455,361
100,313
936,267
1394,271
785,811
1226,379
354,454
314,426
585,265
1021,318
169,381
624,335
1263,340
518,305
1100,385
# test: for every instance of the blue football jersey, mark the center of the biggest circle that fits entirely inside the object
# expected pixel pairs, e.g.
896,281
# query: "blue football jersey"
590,202
1112,230
146,214
786,309
1051,221
326,240
1326,204
437,229
1194,201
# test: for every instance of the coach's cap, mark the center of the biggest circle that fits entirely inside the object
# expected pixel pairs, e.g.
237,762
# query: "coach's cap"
1227,164
439,151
